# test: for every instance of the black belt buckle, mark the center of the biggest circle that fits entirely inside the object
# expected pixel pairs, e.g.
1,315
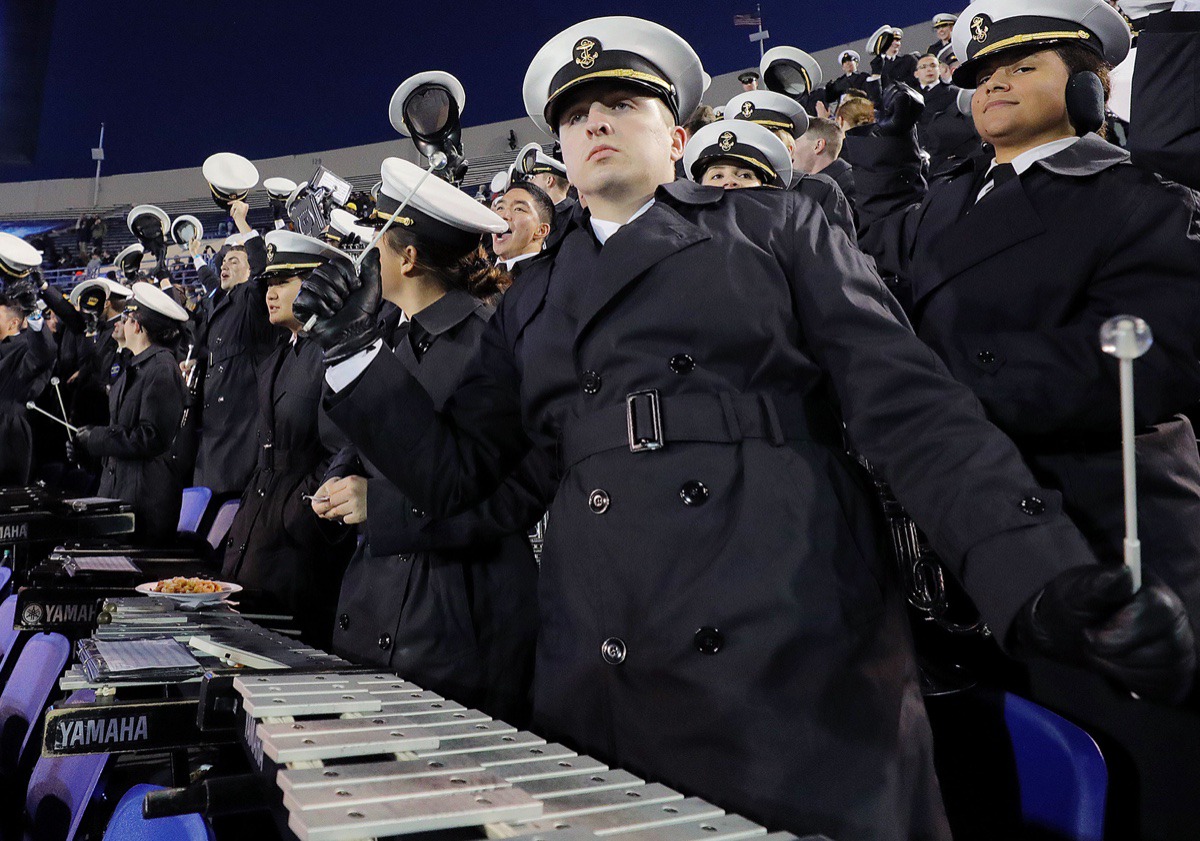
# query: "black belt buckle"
643,414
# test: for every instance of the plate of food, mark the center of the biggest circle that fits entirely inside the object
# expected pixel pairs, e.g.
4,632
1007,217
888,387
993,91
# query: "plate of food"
190,590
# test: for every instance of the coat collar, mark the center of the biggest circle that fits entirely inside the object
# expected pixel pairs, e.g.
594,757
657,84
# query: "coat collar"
147,354
448,311
1087,156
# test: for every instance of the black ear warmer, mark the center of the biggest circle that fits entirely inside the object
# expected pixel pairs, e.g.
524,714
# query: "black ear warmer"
1085,102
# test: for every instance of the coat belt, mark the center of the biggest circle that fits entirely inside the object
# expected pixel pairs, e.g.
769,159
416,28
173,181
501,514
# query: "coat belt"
648,421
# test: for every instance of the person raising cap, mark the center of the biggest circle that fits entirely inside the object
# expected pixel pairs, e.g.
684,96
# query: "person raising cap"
145,407
735,154
276,548
477,563
1014,259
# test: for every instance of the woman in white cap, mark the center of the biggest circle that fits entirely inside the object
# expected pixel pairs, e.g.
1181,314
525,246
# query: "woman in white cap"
27,353
1015,259
717,609
276,546
450,603
145,406
736,155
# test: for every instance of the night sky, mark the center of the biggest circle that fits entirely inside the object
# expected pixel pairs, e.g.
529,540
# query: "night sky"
174,82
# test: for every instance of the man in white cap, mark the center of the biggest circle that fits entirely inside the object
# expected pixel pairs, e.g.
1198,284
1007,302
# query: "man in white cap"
235,339
851,79
145,406
716,609
943,25
550,175
888,65
1015,258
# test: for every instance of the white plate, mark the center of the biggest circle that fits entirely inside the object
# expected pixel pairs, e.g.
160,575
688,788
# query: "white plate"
227,590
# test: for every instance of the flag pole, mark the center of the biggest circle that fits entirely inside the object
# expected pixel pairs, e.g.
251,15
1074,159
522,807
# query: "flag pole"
758,6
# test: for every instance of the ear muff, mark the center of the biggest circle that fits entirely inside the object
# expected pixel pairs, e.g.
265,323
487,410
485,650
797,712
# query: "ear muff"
1085,102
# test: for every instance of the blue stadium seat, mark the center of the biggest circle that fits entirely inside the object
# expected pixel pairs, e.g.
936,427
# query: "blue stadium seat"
192,510
61,787
38,668
127,823
1061,775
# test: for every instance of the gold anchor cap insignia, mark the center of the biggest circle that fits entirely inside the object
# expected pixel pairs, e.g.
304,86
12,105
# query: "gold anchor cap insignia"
726,140
586,51
747,109
979,27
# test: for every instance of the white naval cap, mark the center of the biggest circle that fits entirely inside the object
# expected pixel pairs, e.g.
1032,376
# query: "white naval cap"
849,55
186,228
437,211
141,219
625,50
129,260
531,160
423,85
988,27
943,18
501,181
742,143
343,223
882,38
154,305
769,109
790,71
92,293
290,253
17,257
294,196
230,177
279,188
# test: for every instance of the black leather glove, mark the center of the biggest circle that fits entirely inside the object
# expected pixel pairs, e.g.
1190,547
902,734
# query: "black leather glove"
345,303
900,110
77,444
1090,616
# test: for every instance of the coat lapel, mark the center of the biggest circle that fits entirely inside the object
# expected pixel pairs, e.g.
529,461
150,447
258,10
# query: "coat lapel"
1005,218
630,253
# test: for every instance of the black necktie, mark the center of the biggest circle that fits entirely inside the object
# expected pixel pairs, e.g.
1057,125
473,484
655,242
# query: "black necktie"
999,174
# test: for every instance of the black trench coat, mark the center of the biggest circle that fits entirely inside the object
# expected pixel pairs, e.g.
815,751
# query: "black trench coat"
236,338
25,363
720,613
450,604
145,405
277,545
1011,294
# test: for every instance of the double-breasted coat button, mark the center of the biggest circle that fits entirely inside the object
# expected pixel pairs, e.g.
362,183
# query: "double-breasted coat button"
417,512
986,357
344,621
385,641
693,493
613,651
423,345
681,363
1033,506
598,501
708,640
591,382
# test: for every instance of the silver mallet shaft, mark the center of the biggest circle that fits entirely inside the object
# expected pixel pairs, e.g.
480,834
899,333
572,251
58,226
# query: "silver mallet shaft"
34,407
1128,337
54,381
436,161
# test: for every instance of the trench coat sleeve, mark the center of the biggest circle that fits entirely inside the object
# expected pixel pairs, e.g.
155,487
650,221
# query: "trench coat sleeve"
444,461
1165,101
512,509
161,408
1059,381
70,317
345,462
962,480
890,189
208,278
41,351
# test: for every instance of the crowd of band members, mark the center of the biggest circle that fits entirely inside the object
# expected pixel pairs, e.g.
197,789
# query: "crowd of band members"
235,399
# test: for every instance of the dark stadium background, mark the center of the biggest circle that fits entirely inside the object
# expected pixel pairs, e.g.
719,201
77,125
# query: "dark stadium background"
174,82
